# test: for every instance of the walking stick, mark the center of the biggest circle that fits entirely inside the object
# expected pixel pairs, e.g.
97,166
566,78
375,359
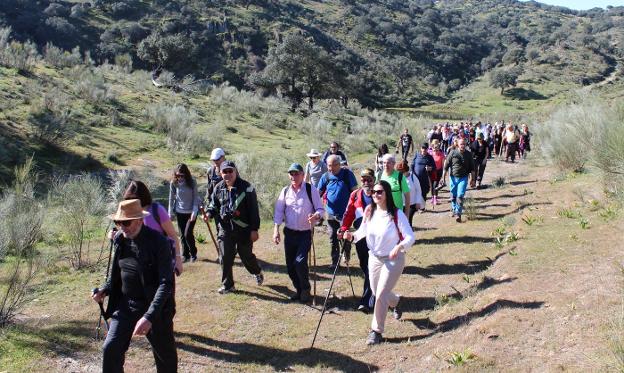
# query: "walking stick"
348,270
326,298
314,266
98,328
201,209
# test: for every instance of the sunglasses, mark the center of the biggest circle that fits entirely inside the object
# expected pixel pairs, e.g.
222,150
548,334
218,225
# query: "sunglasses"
378,192
124,223
227,171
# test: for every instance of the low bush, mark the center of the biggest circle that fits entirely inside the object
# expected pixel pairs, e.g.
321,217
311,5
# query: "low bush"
57,57
13,54
78,204
91,86
51,119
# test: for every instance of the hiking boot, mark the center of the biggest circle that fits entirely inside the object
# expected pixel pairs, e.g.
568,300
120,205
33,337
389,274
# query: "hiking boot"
373,338
305,297
294,297
363,308
396,311
223,290
458,219
259,278
194,259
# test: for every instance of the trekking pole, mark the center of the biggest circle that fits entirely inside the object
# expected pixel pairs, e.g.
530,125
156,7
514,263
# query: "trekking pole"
98,328
313,266
327,298
348,270
201,209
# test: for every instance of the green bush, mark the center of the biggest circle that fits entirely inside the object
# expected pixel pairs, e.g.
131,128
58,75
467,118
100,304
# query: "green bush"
57,57
21,56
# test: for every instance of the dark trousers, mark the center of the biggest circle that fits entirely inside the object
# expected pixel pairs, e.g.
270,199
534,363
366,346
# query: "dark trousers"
230,243
512,149
412,212
367,300
404,152
160,337
188,239
296,247
333,226
480,168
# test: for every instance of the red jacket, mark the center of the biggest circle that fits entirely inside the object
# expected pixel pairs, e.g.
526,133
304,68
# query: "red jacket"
355,209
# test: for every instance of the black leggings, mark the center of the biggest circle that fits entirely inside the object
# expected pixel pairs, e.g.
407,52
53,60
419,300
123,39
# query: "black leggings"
188,239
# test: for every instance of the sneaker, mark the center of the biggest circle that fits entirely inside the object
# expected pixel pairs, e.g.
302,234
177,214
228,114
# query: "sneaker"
396,311
223,290
193,259
363,308
458,219
294,297
259,278
373,338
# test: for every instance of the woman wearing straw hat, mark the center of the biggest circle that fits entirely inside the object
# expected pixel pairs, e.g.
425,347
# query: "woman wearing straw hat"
140,290
314,169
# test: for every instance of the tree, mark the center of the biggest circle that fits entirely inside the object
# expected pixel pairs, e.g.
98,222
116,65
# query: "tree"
504,78
299,69
166,50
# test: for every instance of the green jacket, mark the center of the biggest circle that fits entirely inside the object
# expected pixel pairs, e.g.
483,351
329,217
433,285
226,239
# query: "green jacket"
460,164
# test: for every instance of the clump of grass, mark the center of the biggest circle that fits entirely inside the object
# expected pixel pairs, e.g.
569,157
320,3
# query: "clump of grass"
568,213
112,157
460,358
584,223
530,220
499,231
200,238
499,182
508,221
470,208
608,213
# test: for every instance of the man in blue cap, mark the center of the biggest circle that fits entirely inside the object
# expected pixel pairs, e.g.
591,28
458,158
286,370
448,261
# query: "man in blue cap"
299,207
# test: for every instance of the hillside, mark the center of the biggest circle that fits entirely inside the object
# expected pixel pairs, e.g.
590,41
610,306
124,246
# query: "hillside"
390,53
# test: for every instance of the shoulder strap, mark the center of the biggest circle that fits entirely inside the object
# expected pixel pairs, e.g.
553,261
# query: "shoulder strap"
396,224
400,182
155,214
309,192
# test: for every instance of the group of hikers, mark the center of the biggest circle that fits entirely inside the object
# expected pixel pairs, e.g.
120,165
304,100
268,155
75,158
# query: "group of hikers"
375,215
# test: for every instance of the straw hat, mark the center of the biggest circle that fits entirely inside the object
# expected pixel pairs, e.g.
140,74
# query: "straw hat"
129,210
313,153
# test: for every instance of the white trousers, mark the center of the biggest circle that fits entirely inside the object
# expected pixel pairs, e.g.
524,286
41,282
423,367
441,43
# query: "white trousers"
384,275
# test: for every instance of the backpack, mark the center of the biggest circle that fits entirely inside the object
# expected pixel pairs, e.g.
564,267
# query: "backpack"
154,212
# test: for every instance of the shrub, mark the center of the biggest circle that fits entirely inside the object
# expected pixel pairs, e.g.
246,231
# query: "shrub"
21,228
78,203
92,87
21,56
57,57
51,120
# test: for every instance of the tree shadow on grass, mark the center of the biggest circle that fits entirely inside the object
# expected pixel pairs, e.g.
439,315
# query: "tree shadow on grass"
417,304
469,268
458,321
452,239
522,206
272,358
524,94
65,339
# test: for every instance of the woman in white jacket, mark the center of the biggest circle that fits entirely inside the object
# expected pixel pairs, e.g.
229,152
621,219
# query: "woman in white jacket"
388,234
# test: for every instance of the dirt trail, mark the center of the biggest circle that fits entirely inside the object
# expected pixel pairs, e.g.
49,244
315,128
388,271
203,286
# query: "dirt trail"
544,302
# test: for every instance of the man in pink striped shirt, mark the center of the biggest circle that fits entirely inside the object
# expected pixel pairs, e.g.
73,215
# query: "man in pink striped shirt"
299,207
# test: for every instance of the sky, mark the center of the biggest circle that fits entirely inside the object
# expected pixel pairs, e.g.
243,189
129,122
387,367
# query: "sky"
583,4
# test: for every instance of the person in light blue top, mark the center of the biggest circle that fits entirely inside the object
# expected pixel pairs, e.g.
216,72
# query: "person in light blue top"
337,185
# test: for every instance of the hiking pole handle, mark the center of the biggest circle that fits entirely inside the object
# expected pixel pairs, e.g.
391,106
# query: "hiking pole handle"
101,304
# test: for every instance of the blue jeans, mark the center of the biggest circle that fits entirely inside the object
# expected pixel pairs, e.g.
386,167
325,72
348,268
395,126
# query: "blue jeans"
458,187
296,247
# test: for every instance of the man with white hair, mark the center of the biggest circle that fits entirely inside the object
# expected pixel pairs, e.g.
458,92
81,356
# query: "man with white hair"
337,185
398,184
